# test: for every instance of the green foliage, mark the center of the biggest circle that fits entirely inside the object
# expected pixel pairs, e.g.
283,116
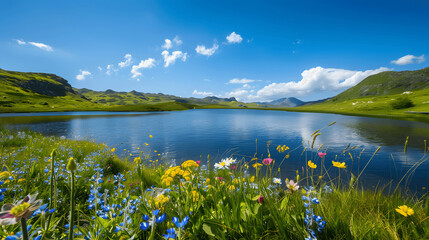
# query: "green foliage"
217,209
401,103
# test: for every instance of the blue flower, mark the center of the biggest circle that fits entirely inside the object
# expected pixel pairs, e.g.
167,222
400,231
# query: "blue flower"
144,225
161,218
182,223
171,233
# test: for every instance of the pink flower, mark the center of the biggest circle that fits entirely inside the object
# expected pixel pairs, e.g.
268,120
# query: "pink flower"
198,162
220,178
131,184
261,199
267,161
137,182
322,154
109,181
233,167
292,186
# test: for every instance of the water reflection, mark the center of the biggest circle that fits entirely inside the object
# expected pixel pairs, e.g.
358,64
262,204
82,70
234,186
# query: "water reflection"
194,134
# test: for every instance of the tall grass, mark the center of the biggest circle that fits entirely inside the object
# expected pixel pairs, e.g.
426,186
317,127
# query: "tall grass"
138,197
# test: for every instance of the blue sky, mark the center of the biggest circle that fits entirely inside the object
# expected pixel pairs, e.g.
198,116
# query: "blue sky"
305,49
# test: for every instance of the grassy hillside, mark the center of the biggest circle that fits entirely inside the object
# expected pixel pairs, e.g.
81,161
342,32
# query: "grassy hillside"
380,94
387,83
41,92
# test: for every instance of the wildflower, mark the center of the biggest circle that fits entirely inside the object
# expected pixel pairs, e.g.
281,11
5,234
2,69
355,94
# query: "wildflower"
311,164
219,178
261,199
405,210
256,165
150,136
181,224
198,162
338,164
277,181
321,154
189,164
252,179
222,165
283,148
171,234
267,161
13,213
113,150
291,185
233,167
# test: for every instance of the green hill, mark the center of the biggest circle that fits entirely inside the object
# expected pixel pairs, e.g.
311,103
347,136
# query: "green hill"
388,94
387,83
34,92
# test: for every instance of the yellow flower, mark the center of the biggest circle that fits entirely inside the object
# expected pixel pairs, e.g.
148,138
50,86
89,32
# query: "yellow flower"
256,165
338,164
20,208
150,136
137,160
405,210
312,165
113,149
189,164
232,187
252,179
207,181
147,144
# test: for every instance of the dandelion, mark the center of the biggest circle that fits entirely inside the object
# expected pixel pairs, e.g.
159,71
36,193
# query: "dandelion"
277,181
338,164
405,210
267,161
311,164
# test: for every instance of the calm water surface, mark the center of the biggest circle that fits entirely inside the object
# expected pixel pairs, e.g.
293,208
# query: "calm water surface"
194,134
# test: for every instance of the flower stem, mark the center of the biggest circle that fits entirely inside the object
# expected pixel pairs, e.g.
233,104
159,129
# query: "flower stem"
24,229
71,235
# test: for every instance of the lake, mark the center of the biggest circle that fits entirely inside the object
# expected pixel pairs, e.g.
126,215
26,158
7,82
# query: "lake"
220,133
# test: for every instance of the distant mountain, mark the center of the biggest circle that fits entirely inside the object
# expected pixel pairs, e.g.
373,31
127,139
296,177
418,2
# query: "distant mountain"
387,83
283,102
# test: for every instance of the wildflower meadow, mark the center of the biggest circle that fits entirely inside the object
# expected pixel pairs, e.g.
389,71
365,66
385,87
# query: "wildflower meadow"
57,188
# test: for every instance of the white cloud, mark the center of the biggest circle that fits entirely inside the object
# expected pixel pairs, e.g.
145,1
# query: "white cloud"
170,59
20,42
42,46
177,41
110,68
100,68
195,92
409,59
82,75
168,44
148,63
234,38
241,81
317,79
246,86
201,49
240,95
127,61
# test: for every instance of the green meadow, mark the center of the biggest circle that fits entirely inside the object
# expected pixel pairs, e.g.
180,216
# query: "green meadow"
87,191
